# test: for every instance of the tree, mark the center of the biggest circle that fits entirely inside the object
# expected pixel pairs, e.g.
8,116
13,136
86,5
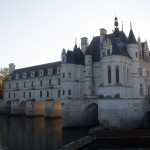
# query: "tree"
3,76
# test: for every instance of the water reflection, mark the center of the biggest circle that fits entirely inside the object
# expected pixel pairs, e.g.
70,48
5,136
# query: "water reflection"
21,133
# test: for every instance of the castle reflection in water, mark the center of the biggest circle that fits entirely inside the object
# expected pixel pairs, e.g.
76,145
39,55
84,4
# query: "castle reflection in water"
21,133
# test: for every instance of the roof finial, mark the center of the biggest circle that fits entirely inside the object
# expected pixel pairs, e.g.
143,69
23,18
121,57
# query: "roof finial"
75,40
130,24
122,25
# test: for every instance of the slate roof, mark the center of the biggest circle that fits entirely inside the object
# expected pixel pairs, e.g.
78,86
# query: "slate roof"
131,38
75,57
36,69
118,47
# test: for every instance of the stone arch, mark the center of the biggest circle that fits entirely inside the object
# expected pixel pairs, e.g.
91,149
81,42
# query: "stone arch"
8,107
57,109
22,108
90,114
39,108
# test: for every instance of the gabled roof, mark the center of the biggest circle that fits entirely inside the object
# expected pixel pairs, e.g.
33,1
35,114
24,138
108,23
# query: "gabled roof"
131,38
36,69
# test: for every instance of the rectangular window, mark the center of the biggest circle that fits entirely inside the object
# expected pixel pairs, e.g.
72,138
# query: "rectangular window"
69,74
9,85
69,92
47,93
63,92
32,84
141,89
24,84
17,85
58,81
9,95
40,82
58,93
63,75
24,95
50,82
14,95
29,94
136,54
108,52
40,93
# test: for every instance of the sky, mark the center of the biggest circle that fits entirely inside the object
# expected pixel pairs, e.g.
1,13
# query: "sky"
34,32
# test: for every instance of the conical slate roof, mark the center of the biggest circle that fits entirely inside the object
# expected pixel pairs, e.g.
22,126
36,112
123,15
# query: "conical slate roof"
131,38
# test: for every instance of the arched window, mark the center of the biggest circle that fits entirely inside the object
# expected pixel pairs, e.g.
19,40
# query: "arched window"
109,74
117,74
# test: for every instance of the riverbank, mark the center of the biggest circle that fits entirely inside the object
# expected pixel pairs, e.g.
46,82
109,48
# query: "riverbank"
98,138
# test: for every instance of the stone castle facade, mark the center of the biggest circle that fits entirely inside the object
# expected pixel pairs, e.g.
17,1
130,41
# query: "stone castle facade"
109,77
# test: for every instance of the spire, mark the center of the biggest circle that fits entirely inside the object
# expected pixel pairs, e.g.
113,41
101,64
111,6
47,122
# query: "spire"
116,32
131,37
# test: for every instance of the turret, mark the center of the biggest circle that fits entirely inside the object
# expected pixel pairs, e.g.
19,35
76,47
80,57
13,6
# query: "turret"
84,44
11,68
132,46
88,73
63,56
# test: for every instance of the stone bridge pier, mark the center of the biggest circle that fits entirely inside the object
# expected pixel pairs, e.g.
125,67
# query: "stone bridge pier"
53,109
79,112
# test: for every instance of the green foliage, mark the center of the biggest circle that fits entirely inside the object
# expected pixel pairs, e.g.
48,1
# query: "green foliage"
3,76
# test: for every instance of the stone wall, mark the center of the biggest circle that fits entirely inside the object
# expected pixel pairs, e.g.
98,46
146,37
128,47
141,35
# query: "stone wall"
121,113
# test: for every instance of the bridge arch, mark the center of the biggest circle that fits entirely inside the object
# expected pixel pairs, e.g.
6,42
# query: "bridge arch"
90,114
8,107
57,109
39,108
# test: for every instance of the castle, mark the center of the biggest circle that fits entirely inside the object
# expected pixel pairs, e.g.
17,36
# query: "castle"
107,80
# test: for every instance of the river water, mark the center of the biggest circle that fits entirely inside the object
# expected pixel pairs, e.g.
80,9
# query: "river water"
21,133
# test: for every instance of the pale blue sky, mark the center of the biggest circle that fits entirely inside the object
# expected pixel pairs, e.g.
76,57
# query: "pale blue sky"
34,32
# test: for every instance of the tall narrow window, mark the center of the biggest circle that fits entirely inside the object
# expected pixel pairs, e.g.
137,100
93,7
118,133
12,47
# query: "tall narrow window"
108,52
14,95
32,84
69,74
63,75
58,93
63,92
24,84
23,94
47,93
58,81
141,89
40,82
29,94
117,74
109,74
136,54
9,95
69,92
9,85
17,85
50,82
40,93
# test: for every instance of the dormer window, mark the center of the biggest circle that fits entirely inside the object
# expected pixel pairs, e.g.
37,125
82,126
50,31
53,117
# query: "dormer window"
41,72
50,71
32,73
58,70
24,75
17,76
